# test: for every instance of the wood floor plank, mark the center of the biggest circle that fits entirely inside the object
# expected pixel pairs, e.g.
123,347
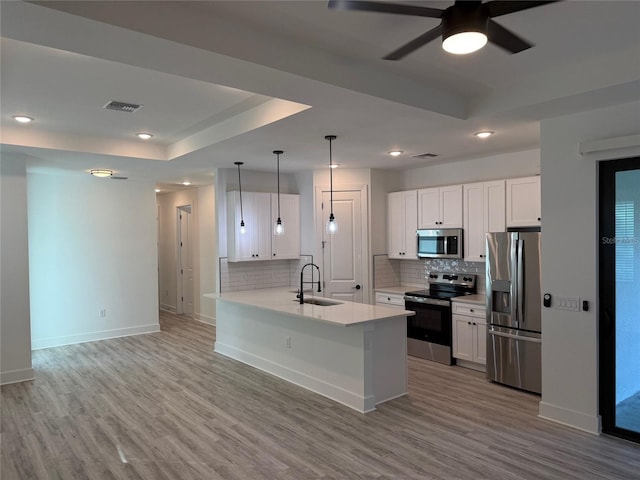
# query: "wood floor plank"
165,406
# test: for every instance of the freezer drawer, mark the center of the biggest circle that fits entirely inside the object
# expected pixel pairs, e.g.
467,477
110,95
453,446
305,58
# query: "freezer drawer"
514,358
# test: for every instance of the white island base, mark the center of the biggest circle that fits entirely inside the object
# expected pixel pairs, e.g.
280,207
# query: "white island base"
352,353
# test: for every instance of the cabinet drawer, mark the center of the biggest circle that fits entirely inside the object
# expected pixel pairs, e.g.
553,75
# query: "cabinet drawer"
469,309
390,299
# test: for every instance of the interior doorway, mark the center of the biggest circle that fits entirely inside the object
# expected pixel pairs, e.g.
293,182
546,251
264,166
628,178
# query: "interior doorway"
619,323
184,263
343,253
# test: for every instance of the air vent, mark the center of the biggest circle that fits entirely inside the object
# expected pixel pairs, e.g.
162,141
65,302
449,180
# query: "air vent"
119,178
122,106
426,155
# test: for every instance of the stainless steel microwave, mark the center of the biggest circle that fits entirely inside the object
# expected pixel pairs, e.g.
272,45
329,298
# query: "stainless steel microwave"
441,243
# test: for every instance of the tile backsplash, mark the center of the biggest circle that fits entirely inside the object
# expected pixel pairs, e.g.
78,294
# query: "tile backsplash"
237,276
389,272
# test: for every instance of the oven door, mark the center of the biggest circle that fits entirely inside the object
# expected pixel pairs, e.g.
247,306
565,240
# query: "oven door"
432,321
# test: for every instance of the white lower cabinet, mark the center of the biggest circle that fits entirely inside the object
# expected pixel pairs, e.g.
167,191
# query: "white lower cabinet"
390,299
469,335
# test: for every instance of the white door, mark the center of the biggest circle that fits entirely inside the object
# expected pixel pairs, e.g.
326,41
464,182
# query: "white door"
342,252
185,260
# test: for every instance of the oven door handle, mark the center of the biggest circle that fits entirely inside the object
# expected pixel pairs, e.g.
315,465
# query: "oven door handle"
427,301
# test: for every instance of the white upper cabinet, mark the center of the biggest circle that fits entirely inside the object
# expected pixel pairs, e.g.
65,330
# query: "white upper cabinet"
523,202
440,207
483,211
258,242
402,223
286,246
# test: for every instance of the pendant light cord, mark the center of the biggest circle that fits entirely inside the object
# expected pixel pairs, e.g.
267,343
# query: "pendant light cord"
330,138
278,154
240,186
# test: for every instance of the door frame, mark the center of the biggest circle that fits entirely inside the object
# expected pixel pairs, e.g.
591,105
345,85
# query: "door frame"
364,209
607,296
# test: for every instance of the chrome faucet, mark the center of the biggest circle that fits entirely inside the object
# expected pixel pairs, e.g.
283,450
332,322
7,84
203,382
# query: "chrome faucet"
302,282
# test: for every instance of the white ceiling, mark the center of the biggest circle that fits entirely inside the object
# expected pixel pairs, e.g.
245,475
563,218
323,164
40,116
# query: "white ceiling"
232,81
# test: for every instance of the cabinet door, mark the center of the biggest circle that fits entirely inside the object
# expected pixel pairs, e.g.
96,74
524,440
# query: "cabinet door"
523,202
480,342
395,225
462,337
286,246
451,206
410,204
429,208
495,207
261,238
474,222
239,245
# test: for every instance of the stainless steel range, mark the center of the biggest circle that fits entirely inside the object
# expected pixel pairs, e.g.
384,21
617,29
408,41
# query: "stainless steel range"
429,331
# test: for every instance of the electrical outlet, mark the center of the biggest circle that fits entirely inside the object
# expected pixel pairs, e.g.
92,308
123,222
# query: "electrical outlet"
287,342
568,303
103,312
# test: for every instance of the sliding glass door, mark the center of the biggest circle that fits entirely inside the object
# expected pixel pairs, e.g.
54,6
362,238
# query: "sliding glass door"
619,331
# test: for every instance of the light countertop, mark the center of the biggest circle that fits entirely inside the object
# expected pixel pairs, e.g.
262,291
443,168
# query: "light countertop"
478,299
284,300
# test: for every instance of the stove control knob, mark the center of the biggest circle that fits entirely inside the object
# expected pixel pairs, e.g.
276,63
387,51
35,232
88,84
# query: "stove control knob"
454,277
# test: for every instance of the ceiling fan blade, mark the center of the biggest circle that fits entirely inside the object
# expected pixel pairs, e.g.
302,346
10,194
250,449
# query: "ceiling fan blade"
415,44
499,7
379,7
506,39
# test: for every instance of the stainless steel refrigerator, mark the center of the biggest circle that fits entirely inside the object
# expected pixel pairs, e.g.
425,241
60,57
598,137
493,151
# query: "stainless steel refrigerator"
514,332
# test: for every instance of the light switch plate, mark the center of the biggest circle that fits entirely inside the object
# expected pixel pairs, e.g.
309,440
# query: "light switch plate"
568,303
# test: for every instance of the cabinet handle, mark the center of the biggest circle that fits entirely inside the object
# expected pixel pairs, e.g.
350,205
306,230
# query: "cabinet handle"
468,323
474,323
538,218
274,254
471,310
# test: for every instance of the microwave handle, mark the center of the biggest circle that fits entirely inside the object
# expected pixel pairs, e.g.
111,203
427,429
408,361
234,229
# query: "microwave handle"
445,246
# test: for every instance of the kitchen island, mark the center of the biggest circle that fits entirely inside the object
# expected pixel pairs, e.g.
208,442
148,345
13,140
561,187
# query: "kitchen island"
353,353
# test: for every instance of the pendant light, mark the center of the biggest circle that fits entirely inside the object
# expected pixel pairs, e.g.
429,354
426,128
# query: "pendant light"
243,229
332,225
278,229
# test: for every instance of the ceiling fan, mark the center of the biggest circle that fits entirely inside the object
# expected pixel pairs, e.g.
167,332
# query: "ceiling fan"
466,26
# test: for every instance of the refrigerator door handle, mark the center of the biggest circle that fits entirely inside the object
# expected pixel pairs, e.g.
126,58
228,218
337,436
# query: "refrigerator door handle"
520,288
515,337
514,284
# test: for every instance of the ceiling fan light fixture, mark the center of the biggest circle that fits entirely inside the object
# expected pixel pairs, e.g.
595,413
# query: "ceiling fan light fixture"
22,118
144,135
464,28
396,153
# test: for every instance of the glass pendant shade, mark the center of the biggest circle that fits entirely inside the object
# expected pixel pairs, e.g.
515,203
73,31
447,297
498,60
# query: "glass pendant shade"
243,228
332,225
278,229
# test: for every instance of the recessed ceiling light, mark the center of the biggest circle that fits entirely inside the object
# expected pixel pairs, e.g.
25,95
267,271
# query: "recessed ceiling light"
101,173
144,135
186,183
484,134
22,118
396,153
157,190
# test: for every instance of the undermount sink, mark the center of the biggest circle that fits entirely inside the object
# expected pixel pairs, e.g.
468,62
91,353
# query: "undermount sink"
320,301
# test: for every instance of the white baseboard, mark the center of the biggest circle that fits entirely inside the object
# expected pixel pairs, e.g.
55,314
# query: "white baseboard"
49,342
16,376
340,395
168,308
208,319
571,418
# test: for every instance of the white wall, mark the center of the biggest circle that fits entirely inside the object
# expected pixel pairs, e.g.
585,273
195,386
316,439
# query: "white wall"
569,259
15,333
205,264
92,246
506,165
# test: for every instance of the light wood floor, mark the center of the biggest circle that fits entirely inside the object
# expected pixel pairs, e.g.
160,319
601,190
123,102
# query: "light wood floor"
164,406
